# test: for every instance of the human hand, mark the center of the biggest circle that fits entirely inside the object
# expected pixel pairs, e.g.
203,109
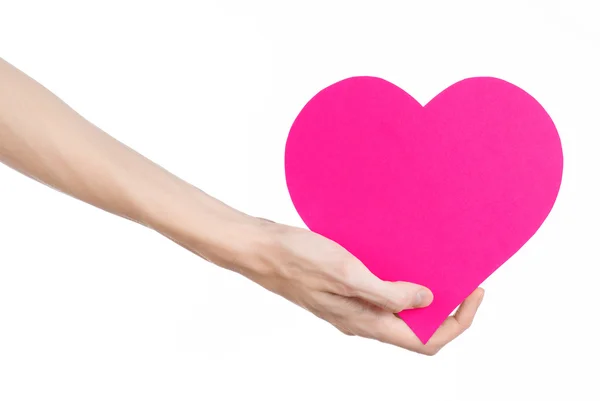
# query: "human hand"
322,277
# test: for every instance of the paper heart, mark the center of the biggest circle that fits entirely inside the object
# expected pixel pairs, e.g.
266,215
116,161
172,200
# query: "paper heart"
441,195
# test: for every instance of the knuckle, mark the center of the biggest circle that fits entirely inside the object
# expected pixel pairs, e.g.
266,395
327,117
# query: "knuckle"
430,351
387,304
401,302
466,325
431,348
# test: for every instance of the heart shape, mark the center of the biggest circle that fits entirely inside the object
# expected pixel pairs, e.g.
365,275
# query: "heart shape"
441,195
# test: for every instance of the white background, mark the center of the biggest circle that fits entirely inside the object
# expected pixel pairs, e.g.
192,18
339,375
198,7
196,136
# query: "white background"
93,307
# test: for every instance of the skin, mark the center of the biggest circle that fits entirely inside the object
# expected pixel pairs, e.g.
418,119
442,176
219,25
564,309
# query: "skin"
46,140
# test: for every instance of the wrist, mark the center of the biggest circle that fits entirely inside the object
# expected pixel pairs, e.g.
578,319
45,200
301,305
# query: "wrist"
209,228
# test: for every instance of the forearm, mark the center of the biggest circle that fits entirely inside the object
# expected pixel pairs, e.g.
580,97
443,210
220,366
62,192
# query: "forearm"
45,139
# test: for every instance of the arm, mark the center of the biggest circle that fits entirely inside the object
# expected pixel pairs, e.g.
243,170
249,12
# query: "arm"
43,138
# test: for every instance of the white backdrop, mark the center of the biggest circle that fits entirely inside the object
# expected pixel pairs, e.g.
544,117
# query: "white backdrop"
93,307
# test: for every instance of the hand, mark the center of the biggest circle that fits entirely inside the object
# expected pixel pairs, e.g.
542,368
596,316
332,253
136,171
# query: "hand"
322,277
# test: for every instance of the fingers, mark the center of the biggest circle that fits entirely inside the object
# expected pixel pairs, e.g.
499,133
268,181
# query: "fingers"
457,324
466,312
390,329
391,296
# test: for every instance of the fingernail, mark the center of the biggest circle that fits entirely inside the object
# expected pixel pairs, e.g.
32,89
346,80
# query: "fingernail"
423,297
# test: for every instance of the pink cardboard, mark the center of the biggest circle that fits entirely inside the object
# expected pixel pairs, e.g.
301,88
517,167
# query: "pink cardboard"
441,195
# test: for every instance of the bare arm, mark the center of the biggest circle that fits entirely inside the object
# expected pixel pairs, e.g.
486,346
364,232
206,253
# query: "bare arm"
45,139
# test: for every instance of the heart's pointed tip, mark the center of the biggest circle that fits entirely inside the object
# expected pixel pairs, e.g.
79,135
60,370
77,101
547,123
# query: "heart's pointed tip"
424,332
422,327
424,337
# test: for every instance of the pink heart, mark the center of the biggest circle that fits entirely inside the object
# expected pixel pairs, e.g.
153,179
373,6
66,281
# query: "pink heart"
441,195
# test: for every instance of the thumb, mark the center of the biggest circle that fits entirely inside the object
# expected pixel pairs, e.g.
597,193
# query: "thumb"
396,296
